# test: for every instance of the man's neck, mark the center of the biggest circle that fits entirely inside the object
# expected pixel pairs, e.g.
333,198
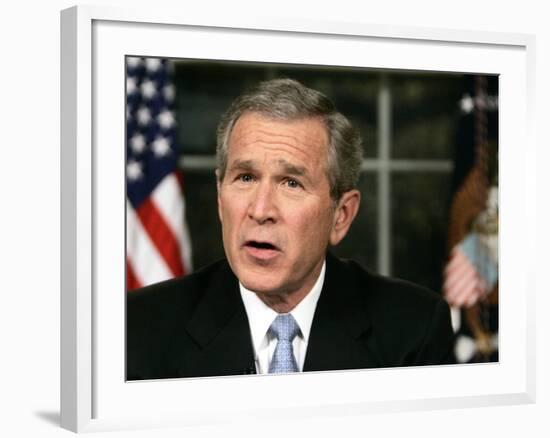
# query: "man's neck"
282,303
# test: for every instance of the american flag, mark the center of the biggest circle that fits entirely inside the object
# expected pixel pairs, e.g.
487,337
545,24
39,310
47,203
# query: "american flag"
471,273
472,270
463,283
157,240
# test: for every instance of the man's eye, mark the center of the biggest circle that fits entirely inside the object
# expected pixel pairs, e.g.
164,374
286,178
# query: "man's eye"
245,177
292,183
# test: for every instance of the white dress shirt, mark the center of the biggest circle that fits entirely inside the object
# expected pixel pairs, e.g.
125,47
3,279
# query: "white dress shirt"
260,317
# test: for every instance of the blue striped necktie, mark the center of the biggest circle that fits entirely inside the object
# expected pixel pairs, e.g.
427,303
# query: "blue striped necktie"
285,329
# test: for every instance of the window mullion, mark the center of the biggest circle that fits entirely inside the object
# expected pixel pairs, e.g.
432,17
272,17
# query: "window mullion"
384,181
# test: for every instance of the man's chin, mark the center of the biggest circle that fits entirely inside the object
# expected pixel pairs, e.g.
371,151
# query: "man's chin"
261,286
257,275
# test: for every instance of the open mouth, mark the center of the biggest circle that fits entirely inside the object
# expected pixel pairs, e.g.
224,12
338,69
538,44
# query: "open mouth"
261,245
261,251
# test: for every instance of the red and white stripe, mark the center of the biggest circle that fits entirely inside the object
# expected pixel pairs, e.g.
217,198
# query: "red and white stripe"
463,285
157,238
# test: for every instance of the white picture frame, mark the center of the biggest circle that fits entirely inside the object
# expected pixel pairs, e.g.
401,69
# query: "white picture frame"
94,396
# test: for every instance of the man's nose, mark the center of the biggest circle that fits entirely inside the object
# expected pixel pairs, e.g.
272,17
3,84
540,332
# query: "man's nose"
263,206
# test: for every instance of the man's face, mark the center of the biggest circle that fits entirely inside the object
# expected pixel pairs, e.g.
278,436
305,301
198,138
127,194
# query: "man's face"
274,203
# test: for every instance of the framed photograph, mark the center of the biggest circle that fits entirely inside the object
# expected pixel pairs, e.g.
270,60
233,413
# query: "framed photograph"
98,43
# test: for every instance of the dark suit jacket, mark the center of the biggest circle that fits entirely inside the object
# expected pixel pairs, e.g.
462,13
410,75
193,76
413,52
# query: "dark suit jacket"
197,325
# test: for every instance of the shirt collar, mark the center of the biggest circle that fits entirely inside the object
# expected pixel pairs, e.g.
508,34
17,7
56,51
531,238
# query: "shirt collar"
260,315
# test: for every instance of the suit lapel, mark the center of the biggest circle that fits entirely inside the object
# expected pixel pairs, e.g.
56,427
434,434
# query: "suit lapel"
219,327
340,336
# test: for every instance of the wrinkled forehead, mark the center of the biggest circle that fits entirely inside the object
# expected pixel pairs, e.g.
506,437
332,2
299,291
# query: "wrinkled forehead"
305,136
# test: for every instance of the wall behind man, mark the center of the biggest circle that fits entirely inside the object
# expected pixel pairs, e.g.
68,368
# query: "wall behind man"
29,235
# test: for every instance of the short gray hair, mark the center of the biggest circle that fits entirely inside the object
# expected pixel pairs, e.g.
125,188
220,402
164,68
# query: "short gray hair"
288,99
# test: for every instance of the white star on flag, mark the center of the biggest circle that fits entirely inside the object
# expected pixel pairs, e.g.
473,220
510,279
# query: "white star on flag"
137,143
152,64
148,89
133,170
161,147
130,85
166,119
133,62
143,115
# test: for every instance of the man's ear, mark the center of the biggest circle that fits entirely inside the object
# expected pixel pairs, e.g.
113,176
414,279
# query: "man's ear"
345,213
218,182
218,188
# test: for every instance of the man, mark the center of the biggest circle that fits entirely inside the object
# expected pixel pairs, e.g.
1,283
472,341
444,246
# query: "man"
288,164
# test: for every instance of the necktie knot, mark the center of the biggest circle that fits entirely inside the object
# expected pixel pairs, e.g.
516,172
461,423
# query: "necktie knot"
284,327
